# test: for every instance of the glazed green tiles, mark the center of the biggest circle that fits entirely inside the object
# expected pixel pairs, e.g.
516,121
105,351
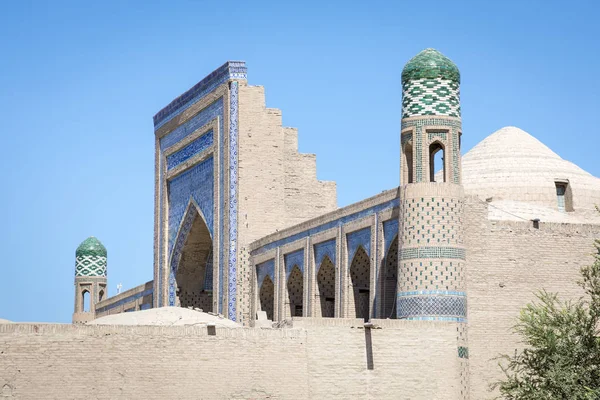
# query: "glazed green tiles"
90,258
430,86
430,64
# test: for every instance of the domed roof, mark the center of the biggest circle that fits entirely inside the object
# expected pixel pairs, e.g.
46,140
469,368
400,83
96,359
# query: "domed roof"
91,247
512,167
430,63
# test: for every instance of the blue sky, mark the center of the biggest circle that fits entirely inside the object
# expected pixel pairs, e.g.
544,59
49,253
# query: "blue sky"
80,82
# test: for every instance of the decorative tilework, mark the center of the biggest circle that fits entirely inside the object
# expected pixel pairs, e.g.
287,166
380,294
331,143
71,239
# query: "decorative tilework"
265,269
432,252
419,154
407,137
431,135
454,123
361,238
430,85
390,230
432,293
190,215
430,97
229,70
90,265
333,224
447,306
430,63
195,147
202,118
195,183
207,114
293,259
455,156
233,180
322,250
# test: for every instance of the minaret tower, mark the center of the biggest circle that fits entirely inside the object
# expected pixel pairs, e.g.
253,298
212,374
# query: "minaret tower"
431,266
90,279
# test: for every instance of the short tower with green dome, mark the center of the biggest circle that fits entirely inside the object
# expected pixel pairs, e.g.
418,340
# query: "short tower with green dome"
90,278
432,259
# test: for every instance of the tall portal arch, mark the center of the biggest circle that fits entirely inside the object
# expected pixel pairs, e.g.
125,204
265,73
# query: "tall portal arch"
191,274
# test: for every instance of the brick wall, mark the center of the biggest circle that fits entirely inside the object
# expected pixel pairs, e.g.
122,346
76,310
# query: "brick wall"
506,263
414,360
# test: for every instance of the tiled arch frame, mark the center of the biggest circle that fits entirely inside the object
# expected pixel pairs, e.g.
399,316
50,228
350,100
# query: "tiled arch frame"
192,211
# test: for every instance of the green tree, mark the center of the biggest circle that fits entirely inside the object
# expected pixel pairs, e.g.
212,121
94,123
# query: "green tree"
561,358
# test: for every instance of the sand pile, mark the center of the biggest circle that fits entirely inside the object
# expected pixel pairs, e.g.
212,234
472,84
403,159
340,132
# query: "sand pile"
165,316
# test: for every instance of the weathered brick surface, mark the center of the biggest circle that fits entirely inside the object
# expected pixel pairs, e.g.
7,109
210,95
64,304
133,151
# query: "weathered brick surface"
410,361
507,262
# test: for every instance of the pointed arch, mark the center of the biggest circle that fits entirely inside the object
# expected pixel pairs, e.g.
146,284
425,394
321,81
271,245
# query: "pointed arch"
295,291
267,297
389,280
325,294
360,280
436,149
86,301
407,163
191,258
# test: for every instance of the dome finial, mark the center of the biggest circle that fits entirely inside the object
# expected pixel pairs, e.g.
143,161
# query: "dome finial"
430,64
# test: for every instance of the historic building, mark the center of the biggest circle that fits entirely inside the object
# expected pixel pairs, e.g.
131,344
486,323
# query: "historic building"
243,227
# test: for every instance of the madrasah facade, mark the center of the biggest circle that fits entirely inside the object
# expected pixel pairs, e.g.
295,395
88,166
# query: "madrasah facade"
243,227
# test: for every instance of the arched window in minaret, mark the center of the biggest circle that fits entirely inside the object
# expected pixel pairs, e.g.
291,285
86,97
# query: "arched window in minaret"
86,301
437,158
408,162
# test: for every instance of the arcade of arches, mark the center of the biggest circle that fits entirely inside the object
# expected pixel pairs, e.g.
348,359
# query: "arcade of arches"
194,278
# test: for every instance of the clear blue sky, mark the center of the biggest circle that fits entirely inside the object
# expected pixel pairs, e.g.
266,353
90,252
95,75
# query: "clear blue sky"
80,82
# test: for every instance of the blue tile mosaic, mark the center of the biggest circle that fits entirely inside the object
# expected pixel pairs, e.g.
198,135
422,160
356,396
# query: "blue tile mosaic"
293,259
195,183
390,231
432,292
195,147
229,70
448,306
190,215
233,180
361,238
432,252
265,269
322,250
333,224
444,319
206,115
125,300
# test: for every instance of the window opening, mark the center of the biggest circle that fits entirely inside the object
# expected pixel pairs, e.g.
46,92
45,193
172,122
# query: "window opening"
437,157
86,301
408,156
561,191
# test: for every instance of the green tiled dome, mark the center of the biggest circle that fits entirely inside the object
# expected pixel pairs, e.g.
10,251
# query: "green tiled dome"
430,64
91,247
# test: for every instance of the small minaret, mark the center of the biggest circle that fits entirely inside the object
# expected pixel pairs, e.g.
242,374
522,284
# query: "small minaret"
90,279
432,260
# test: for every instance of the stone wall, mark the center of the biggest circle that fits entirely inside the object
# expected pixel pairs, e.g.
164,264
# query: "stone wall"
506,263
324,360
